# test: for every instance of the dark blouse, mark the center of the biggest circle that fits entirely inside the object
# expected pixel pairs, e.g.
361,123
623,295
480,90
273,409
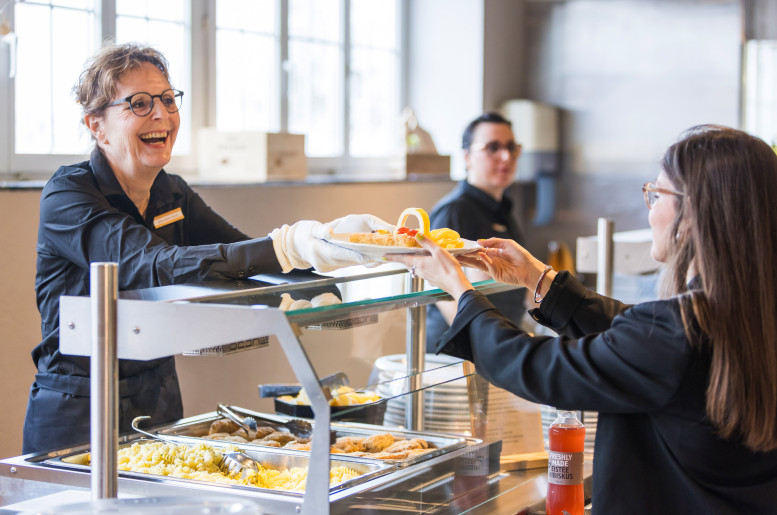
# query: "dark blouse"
86,217
655,451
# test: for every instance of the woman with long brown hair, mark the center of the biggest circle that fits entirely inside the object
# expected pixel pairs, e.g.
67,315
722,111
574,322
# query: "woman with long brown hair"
686,386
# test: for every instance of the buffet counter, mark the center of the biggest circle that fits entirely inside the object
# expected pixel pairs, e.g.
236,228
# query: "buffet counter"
411,470
436,487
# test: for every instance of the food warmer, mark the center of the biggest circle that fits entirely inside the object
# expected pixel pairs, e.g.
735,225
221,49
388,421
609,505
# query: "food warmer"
461,475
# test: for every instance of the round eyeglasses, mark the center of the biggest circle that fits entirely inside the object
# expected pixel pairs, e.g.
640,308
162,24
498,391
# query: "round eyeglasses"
652,193
142,103
494,148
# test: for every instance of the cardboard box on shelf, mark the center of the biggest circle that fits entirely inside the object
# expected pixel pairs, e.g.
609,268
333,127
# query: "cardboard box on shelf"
423,164
251,156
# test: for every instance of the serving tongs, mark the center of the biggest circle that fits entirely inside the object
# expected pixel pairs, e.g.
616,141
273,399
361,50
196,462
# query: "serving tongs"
297,427
233,462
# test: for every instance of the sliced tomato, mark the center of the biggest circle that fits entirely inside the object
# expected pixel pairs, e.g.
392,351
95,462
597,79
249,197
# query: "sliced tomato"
412,232
402,230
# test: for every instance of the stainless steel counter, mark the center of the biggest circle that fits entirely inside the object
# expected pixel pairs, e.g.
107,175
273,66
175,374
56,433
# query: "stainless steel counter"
433,488
444,485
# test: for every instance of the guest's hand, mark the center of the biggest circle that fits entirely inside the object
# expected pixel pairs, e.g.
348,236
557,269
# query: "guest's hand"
439,268
505,261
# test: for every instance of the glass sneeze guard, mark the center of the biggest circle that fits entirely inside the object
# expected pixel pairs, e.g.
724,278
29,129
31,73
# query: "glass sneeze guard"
189,316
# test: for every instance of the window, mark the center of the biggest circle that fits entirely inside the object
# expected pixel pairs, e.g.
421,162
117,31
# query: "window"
164,25
373,87
46,118
330,69
759,96
247,65
315,68
335,73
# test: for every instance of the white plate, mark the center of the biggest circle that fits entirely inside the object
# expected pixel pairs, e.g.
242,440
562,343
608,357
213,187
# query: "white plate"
378,251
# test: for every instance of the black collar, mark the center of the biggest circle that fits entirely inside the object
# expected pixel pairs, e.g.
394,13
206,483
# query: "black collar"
164,191
503,206
106,179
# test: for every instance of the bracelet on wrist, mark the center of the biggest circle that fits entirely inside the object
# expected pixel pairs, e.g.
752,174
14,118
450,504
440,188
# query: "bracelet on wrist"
537,296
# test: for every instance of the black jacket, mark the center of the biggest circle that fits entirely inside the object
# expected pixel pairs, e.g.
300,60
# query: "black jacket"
85,217
655,451
475,214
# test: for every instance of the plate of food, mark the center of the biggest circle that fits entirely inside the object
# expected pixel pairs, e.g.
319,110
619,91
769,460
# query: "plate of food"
402,240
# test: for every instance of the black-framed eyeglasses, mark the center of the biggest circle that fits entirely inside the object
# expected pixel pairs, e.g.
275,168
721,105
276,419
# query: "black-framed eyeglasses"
494,148
652,193
142,103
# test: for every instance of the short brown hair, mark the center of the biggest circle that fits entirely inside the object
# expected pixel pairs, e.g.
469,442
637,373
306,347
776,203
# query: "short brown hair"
469,131
96,85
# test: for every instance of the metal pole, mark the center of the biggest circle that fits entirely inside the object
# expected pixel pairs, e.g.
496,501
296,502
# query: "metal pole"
104,378
416,354
604,256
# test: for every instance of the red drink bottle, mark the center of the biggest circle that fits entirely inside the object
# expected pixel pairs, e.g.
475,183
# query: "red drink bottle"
565,466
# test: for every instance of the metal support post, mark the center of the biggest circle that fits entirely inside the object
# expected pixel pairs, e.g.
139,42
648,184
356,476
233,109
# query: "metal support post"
604,256
416,354
104,379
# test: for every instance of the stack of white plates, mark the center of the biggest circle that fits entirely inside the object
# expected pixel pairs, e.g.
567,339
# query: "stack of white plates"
588,418
446,401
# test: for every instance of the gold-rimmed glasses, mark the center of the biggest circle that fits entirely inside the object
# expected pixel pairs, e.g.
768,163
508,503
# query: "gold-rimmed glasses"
652,193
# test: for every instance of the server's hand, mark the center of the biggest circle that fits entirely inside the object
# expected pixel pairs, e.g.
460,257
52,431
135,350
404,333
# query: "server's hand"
359,223
302,245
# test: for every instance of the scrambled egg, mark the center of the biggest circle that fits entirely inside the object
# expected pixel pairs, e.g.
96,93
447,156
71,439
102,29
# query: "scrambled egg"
341,396
202,462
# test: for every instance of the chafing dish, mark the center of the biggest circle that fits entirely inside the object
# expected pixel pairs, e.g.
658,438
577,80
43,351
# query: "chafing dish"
277,459
193,428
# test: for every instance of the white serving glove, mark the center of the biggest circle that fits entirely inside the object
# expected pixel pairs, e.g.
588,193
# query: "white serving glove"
359,223
303,244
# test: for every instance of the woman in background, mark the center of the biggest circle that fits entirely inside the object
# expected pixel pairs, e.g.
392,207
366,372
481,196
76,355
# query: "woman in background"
684,386
479,208
121,206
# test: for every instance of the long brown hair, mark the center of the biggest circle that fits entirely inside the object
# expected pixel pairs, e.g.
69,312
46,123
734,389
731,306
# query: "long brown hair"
726,228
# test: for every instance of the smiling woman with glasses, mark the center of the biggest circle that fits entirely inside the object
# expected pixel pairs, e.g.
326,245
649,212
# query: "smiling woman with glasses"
684,385
121,206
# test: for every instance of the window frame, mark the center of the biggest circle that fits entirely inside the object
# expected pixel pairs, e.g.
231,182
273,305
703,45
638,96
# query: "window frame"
202,97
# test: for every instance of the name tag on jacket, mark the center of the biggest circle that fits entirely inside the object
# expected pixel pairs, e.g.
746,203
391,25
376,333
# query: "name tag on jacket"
168,218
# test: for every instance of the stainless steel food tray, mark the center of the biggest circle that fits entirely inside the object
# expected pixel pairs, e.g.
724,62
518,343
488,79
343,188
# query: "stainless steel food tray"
277,459
193,428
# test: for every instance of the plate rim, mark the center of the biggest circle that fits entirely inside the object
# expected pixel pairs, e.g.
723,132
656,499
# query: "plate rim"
370,250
